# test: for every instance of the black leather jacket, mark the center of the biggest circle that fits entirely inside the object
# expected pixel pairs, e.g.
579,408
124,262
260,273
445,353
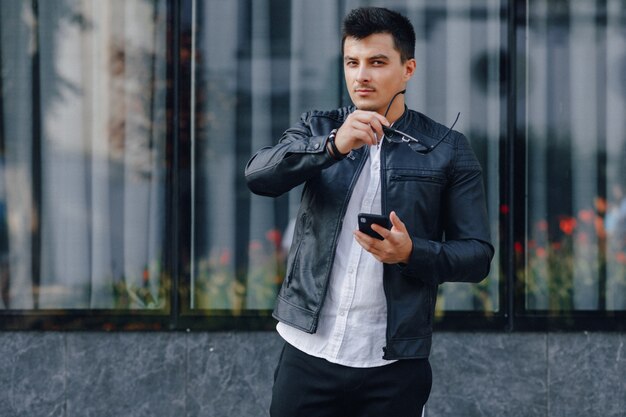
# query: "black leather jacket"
439,197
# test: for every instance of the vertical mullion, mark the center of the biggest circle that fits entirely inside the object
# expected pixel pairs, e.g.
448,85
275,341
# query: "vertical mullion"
36,167
601,155
5,301
515,160
174,187
243,144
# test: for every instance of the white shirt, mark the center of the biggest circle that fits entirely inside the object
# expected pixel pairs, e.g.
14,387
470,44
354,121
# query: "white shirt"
353,320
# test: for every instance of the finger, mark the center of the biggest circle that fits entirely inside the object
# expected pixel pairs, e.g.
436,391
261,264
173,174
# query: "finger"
367,115
368,243
364,238
383,231
366,135
376,123
365,132
380,118
381,250
353,134
397,223
360,127
377,133
377,120
377,126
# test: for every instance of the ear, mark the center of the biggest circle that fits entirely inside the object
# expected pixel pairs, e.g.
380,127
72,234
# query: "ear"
409,69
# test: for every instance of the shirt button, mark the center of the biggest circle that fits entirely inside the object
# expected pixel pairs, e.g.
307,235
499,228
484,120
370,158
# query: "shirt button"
316,146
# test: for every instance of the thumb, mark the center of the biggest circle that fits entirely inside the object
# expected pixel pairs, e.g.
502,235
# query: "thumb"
396,222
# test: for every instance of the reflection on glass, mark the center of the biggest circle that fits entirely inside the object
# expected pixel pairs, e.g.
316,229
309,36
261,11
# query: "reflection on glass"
258,66
82,119
576,133
255,72
460,54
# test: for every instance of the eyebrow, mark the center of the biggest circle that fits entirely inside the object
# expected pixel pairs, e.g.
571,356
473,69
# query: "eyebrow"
371,58
379,56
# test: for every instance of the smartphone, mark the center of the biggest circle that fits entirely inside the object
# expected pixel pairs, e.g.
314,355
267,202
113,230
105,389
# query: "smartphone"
366,220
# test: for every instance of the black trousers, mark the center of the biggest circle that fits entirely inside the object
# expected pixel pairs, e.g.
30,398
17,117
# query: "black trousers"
306,386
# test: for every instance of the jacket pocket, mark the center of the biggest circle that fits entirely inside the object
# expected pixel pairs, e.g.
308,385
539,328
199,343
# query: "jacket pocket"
410,310
416,194
294,255
437,179
294,265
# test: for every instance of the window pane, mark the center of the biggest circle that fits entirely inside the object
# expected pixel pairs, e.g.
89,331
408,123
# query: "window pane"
461,57
576,148
258,66
82,151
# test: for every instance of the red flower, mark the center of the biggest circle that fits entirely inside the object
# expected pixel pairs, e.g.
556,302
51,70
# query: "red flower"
225,257
518,247
621,257
275,237
541,252
586,216
600,230
504,209
567,225
600,204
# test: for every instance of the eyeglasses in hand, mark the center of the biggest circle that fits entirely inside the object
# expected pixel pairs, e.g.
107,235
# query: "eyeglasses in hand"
398,136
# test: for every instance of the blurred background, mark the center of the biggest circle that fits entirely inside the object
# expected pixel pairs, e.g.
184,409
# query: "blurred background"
129,240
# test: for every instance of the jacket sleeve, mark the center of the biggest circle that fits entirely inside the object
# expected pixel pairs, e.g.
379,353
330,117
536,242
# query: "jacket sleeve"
298,156
465,253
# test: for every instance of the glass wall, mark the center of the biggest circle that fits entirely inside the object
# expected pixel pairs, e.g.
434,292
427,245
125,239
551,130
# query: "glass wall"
82,154
259,65
125,127
575,132
255,72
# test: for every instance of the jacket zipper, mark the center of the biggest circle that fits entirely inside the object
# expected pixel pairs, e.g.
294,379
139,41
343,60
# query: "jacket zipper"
344,207
383,204
429,178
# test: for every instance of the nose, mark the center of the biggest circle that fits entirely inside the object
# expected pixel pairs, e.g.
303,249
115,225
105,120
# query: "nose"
363,75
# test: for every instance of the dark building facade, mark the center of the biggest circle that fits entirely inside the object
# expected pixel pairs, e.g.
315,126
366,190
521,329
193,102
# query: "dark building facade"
138,273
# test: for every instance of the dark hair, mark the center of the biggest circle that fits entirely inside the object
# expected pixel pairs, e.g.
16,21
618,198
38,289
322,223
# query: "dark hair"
365,21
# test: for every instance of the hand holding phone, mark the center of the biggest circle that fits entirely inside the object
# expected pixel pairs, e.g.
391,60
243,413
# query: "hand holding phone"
366,220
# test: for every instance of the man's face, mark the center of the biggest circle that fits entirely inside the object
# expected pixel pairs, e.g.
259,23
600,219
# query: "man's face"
374,71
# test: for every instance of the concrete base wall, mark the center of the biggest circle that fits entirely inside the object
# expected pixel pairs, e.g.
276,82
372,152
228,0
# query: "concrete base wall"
230,374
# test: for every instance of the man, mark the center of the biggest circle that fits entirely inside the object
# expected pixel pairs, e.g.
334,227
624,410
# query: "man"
356,312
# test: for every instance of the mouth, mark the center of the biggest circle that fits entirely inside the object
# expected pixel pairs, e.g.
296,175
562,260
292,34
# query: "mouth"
364,91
